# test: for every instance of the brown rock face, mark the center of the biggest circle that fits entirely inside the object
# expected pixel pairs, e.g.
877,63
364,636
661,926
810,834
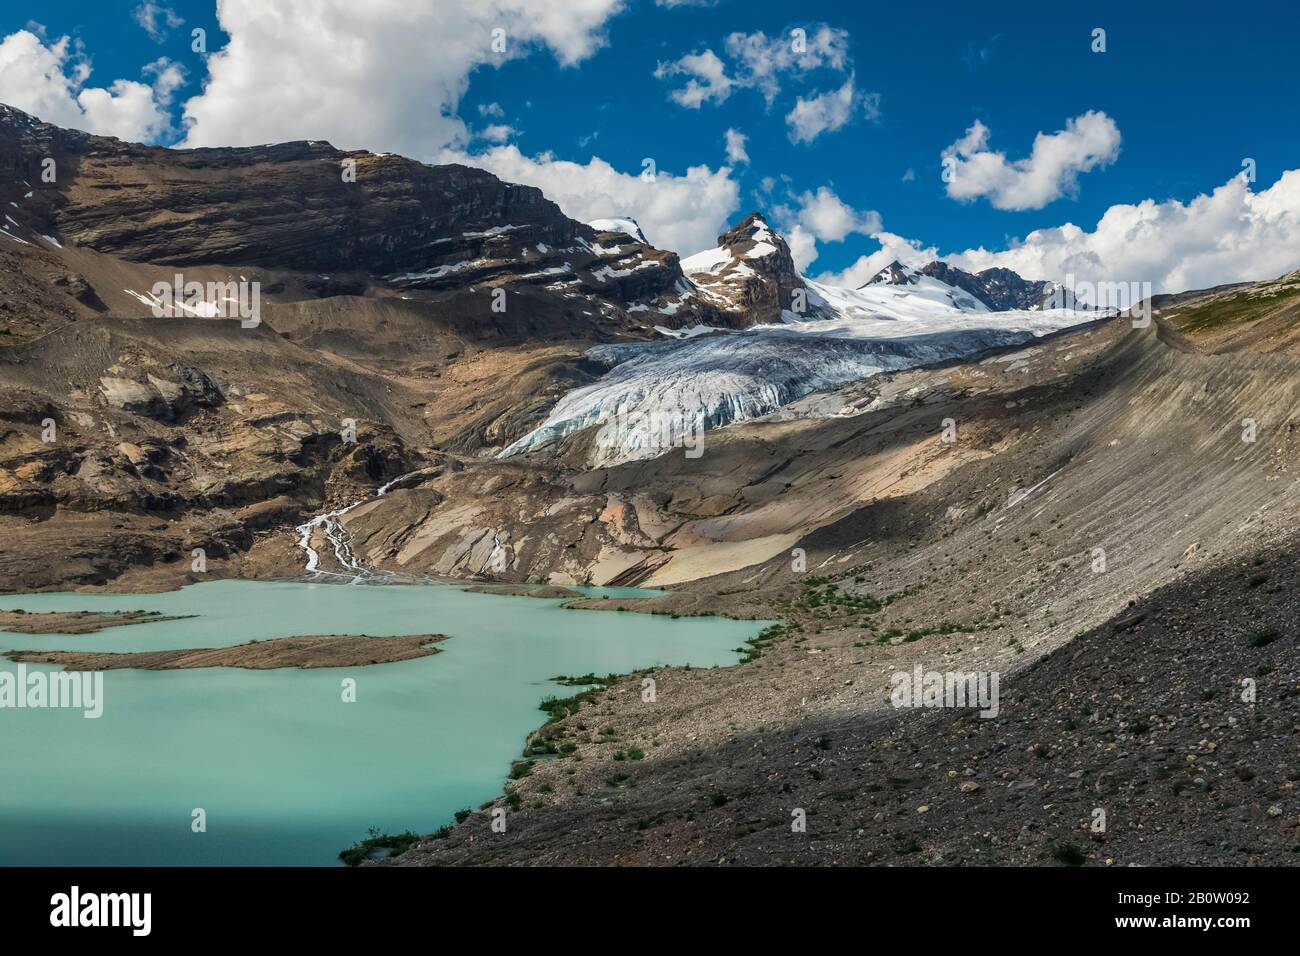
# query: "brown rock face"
752,278
347,223
304,206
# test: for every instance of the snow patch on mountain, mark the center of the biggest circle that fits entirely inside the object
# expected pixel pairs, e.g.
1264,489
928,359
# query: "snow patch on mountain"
629,227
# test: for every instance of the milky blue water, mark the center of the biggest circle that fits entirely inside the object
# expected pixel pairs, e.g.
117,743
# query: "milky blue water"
286,771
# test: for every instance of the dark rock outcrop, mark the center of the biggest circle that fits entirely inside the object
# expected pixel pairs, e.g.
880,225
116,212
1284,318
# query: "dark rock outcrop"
1000,289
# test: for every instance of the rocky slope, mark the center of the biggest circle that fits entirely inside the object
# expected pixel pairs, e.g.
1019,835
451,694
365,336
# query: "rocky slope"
1088,472
314,221
1247,316
901,474
1164,736
380,280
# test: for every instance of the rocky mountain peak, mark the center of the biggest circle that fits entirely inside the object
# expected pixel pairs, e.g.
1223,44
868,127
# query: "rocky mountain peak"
1000,289
750,276
753,228
330,222
893,274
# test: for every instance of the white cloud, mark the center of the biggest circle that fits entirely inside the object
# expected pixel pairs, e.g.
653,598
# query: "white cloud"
169,76
761,60
384,75
803,246
820,216
892,247
49,81
157,20
831,219
491,109
829,111
1230,235
682,213
757,62
708,79
1052,169
496,133
736,153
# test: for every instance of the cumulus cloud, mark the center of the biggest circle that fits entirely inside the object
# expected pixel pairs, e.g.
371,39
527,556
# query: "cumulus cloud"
831,219
708,79
803,246
821,216
157,20
49,80
892,247
1052,169
757,61
829,111
736,153
684,213
384,75
1232,234
762,60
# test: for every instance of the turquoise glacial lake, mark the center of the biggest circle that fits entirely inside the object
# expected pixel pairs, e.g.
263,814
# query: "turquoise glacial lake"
286,771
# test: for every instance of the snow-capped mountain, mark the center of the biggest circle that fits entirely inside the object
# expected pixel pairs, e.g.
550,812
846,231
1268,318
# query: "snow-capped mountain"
805,337
922,285
725,335
1002,289
748,279
998,290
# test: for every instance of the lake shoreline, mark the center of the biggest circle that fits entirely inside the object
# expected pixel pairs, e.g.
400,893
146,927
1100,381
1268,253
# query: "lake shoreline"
423,739
76,622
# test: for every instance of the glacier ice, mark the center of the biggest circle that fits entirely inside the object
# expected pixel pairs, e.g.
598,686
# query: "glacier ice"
656,395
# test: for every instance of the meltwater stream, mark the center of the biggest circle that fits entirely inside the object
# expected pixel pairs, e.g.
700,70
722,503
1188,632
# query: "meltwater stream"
286,772
331,526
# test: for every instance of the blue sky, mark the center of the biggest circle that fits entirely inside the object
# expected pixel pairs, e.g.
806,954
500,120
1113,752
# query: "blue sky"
1190,92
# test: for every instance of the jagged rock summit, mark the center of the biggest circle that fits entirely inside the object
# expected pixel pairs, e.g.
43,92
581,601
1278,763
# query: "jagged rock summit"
1000,290
750,275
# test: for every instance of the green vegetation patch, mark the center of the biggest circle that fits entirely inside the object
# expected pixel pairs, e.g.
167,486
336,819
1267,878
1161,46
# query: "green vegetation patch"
396,844
1225,313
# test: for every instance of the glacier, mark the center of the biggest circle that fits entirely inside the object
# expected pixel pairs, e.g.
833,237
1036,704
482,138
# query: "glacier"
658,395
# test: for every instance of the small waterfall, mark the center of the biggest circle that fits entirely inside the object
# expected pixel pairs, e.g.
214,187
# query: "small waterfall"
331,525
